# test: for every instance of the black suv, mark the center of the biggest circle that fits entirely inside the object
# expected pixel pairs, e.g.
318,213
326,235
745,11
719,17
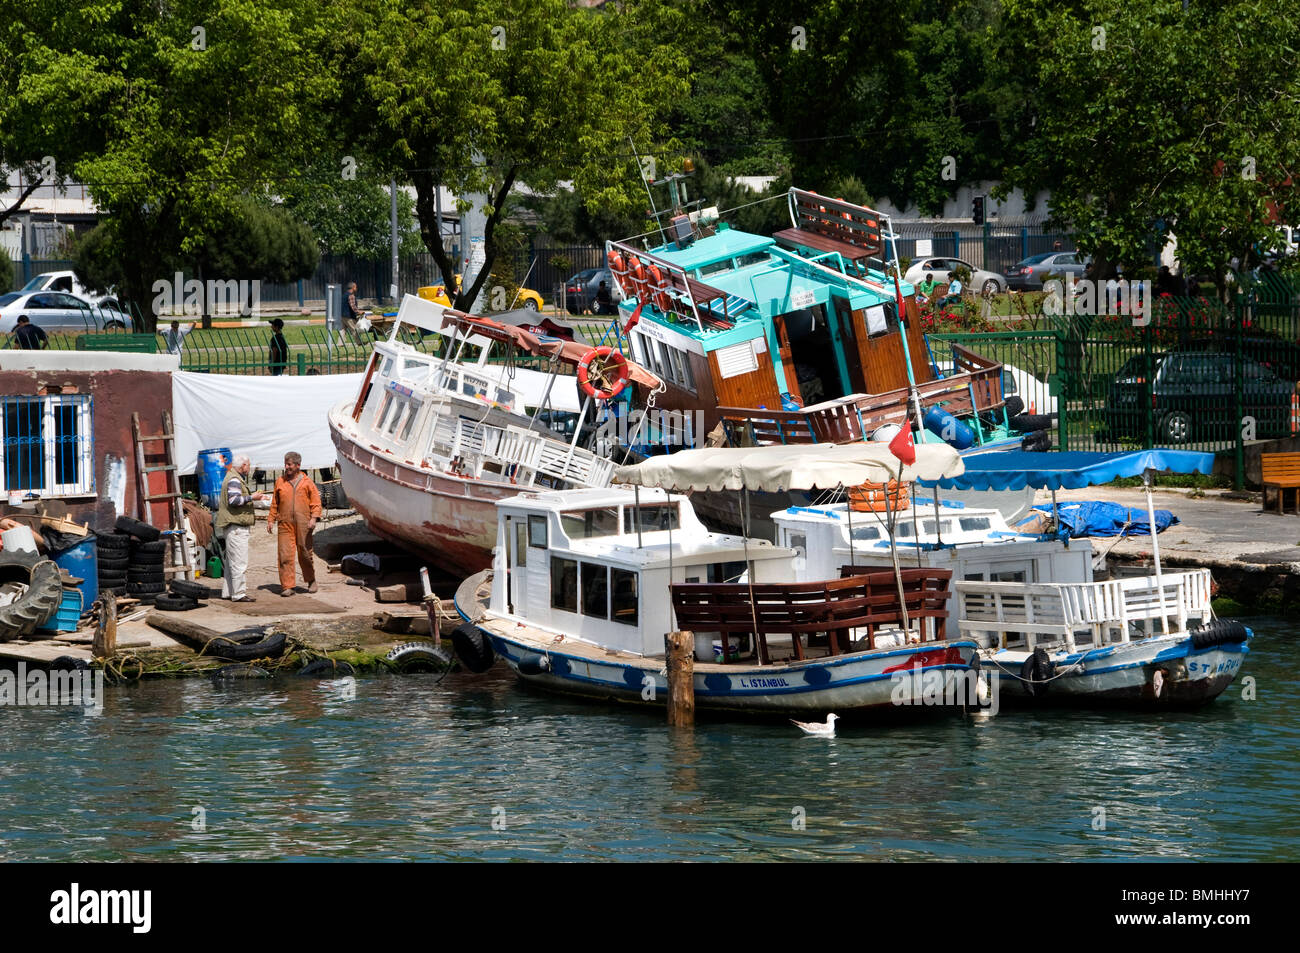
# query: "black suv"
1191,395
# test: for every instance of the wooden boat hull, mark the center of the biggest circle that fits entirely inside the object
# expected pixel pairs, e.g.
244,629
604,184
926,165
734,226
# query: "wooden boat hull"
446,519
1125,675
863,682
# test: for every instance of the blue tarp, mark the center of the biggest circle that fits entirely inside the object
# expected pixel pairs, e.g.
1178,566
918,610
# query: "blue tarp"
1093,518
1017,469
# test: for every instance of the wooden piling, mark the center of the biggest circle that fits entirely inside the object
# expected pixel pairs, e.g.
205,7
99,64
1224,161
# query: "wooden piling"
104,645
681,678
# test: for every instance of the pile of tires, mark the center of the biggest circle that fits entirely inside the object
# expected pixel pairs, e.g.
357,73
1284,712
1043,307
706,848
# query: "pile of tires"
31,589
113,553
183,595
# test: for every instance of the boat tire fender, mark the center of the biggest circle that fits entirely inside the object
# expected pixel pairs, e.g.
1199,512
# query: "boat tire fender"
473,648
1219,632
1028,423
417,657
533,664
1037,672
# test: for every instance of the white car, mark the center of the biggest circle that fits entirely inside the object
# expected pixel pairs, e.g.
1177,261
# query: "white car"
1036,394
981,281
68,283
58,311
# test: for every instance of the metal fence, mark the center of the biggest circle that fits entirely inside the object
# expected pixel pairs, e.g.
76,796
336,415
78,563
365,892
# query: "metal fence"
1193,373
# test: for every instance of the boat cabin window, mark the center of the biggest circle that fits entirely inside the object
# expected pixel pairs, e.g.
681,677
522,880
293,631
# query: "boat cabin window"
932,526
564,584
753,258
410,420
595,590
717,268
974,522
588,524
904,529
626,595
799,543
726,572
537,531
652,518
416,370
866,532
387,370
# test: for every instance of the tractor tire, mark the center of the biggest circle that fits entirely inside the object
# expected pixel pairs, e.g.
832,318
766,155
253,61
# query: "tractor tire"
41,600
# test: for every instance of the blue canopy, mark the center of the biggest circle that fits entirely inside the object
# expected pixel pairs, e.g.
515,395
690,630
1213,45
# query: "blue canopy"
1017,469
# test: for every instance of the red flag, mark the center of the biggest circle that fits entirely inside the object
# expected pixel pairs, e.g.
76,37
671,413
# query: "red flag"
636,316
902,447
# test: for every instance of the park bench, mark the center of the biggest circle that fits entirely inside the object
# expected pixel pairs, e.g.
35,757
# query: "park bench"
1281,472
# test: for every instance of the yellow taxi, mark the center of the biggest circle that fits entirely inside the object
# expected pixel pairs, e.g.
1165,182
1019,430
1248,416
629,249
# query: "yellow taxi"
527,298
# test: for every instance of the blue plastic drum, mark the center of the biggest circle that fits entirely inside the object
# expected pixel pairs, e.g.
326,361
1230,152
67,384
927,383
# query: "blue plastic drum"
211,471
82,561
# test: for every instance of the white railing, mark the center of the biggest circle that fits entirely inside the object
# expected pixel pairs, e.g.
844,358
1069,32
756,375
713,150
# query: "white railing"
509,446
1106,612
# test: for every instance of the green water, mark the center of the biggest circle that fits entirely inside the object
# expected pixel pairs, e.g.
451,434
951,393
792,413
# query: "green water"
476,767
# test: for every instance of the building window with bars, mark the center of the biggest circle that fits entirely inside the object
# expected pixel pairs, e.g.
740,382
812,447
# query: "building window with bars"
47,445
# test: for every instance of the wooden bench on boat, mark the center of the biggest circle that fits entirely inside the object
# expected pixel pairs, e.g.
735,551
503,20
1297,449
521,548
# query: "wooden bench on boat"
1281,472
866,600
832,226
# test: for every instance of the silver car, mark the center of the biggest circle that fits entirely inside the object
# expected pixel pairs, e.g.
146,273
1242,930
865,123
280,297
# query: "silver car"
58,311
981,281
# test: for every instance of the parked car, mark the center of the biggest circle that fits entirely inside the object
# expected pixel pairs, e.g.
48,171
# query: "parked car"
1035,394
68,283
580,290
58,311
1028,273
1192,396
526,298
981,281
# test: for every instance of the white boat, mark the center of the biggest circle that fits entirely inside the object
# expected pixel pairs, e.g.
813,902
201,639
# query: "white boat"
432,442
586,584
1048,632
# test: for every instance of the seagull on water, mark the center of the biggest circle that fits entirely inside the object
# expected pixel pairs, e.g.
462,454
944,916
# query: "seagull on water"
817,728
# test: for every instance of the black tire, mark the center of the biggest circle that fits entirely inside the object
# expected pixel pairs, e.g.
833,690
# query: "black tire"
333,497
145,560
238,672
1037,673
1176,427
38,604
168,602
1014,406
270,647
473,648
138,529
157,547
326,668
1028,423
183,587
1219,632
418,657
68,663
111,565
148,579
113,543
531,305
1037,442
144,588
990,286
112,582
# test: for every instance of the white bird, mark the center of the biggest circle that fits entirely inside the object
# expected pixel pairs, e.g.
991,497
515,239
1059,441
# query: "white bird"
816,728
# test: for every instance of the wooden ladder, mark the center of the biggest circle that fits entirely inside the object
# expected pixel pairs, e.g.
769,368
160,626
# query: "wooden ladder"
173,495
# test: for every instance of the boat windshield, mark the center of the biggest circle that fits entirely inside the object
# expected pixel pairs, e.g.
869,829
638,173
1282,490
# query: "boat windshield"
651,518
589,524
865,532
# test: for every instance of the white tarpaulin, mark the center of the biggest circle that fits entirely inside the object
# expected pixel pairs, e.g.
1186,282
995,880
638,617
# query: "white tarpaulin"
263,417
797,467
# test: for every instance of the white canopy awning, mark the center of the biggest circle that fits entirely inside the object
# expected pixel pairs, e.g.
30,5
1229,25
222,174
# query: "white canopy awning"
798,467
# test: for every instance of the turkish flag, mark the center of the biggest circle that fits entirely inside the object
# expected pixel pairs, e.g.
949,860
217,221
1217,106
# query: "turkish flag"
902,447
636,316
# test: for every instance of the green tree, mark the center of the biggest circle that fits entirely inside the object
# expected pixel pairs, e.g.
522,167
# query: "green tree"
351,216
483,94
1142,118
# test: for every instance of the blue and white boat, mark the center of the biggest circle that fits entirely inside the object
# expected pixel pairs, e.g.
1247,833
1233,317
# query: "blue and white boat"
586,584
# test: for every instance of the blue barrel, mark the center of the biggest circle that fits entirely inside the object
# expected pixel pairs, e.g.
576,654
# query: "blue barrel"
82,561
211,471
948,428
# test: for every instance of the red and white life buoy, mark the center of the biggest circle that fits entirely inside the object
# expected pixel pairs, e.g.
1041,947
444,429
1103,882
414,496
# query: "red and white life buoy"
655,287
636,277
606,367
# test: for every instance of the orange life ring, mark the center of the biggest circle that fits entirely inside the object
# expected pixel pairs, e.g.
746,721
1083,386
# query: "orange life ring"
612,362
655,285
617,267
636,277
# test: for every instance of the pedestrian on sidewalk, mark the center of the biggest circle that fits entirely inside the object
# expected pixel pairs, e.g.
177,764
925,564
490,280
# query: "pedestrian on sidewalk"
295,507
235,519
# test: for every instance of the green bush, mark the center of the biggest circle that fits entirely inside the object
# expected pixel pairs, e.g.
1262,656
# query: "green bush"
6,273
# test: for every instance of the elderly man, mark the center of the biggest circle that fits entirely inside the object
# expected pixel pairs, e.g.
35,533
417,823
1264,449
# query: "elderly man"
295,507
235,519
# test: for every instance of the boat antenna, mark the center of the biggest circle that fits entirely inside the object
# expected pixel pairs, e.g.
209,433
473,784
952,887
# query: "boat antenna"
640,168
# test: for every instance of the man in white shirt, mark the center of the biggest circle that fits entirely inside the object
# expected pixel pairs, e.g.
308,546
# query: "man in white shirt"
175,338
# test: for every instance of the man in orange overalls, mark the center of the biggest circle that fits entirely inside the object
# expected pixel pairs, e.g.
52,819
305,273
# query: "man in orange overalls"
295,507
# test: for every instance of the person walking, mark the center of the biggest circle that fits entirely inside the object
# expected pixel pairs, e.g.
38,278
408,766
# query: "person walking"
279,349
235,520
28,336
175,337
295,507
